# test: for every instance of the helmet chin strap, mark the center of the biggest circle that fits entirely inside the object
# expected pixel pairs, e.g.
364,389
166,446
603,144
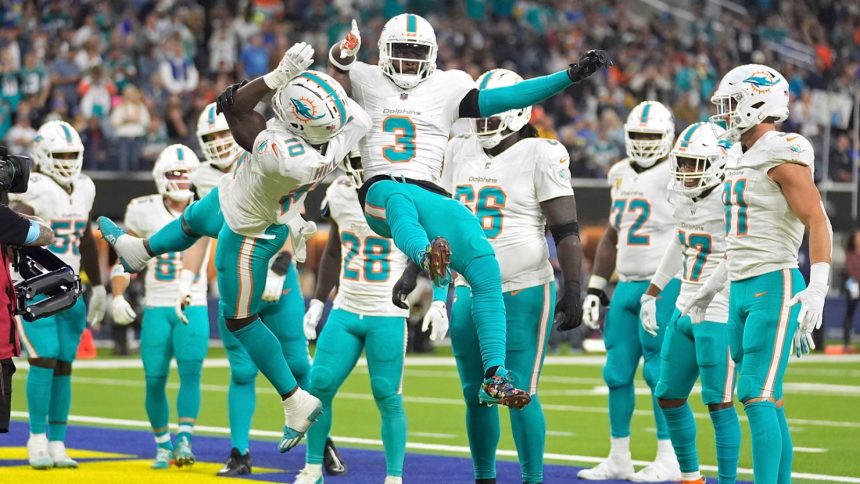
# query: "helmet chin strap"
490,142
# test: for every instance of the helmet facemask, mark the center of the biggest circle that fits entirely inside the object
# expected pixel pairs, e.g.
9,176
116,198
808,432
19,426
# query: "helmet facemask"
408,63
63,166
694,173
175,185
646,147
219,148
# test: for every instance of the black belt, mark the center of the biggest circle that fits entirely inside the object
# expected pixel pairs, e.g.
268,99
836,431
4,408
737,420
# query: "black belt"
362,192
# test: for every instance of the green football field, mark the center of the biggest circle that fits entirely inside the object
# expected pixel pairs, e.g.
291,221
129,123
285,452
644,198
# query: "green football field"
822,402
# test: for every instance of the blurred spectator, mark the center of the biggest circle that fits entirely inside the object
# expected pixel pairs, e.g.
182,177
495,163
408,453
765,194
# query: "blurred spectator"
155,141
177,127
222,49
96,92
254,58
602,152
841,166
130,121
177,71
66,75
20,136
90,55
852,285
10,86
802,116
34,80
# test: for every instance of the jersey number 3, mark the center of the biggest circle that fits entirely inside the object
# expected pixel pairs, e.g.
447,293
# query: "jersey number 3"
403,149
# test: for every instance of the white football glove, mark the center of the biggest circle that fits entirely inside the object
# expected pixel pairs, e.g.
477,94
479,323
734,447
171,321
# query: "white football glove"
186,280
812,298
698,304
437,316
350,45
803,343
312,318
300,231
98,306
594,298
297,58
648,314
121,311
274,287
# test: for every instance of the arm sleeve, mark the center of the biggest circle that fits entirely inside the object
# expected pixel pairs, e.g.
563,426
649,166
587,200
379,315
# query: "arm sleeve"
670,264
552,172
16,227
520,95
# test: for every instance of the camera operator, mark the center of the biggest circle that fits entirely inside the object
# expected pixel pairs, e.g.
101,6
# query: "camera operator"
16,230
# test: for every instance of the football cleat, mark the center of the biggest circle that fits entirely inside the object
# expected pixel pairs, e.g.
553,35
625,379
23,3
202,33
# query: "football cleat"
236,465
131,250
332,461
699,480
309,475
662,469
614,467
57,450
182,455
435,262
393,480
37,452
163,459
499,389
306,411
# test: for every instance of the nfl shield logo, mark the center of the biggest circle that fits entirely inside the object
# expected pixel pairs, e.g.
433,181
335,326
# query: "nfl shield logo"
403,96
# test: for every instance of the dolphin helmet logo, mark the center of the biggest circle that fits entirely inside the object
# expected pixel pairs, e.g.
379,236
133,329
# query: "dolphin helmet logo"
305,109
762,81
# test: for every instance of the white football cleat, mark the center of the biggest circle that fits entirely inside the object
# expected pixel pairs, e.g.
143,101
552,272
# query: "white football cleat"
37,452
661,470
393,480
57,450
300,411
131,250
616,466
310,475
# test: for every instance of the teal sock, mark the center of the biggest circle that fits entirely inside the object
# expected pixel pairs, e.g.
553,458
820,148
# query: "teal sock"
241,401
171,238
58,411
188,399
483,428
39,383
766,441
157,408
787,455
162,440
727,433
406,231
318,432
393,433
488,309
622,400
265,350
529,429
682,430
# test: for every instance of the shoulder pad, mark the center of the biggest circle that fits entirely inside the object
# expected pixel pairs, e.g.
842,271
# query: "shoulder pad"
791,147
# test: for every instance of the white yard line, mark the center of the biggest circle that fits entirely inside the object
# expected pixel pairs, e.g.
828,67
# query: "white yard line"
456,449
810,450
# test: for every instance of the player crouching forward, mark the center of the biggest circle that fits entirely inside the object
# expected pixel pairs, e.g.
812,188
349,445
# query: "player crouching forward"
165,331
315,126
363,318
692,350
518,185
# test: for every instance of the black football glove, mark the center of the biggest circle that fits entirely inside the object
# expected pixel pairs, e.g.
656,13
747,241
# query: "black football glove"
281,265
568,310
405,285
225,100
590,63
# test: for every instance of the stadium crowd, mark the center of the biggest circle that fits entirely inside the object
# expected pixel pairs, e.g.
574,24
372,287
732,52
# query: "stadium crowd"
132,76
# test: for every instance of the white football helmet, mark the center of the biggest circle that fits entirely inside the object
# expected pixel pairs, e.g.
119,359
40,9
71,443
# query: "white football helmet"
313,106
171,172
491,131
698,159
401,34
58,151
648,133
215,139
748,95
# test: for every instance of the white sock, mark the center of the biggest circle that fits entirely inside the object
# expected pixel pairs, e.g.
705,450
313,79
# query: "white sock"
42,436
690,476
665,449
393,480
620,447
293,402
316,469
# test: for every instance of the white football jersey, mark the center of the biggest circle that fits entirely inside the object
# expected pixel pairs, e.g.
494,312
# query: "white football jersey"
764,235
68,214
505,193
370,265
206,177
700,229
269,185
410,127
642,215
145,216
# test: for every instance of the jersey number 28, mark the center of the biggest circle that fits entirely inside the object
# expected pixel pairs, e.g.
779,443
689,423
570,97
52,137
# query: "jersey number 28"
376,252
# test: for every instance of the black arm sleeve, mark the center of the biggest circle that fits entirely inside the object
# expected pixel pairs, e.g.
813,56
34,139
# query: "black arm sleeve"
90,257
13,226
469,105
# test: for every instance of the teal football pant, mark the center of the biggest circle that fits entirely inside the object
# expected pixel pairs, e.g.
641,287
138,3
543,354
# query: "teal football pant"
529,317
761,330
412,216
49,396
626,342
202,217
343,337
162,337
689,351
284,319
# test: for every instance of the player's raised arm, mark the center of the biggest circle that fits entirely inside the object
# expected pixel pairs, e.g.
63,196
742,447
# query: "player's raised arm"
237,102
488,102
342,55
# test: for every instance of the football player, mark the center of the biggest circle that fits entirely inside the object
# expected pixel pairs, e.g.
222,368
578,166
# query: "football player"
518,185
282,312
640,227
693,350
164,331
413,106
770,198
315,126
363,318
62,196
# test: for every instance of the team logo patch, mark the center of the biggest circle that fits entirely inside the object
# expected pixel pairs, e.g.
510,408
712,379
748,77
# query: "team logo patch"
305,109
564,174
262,146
